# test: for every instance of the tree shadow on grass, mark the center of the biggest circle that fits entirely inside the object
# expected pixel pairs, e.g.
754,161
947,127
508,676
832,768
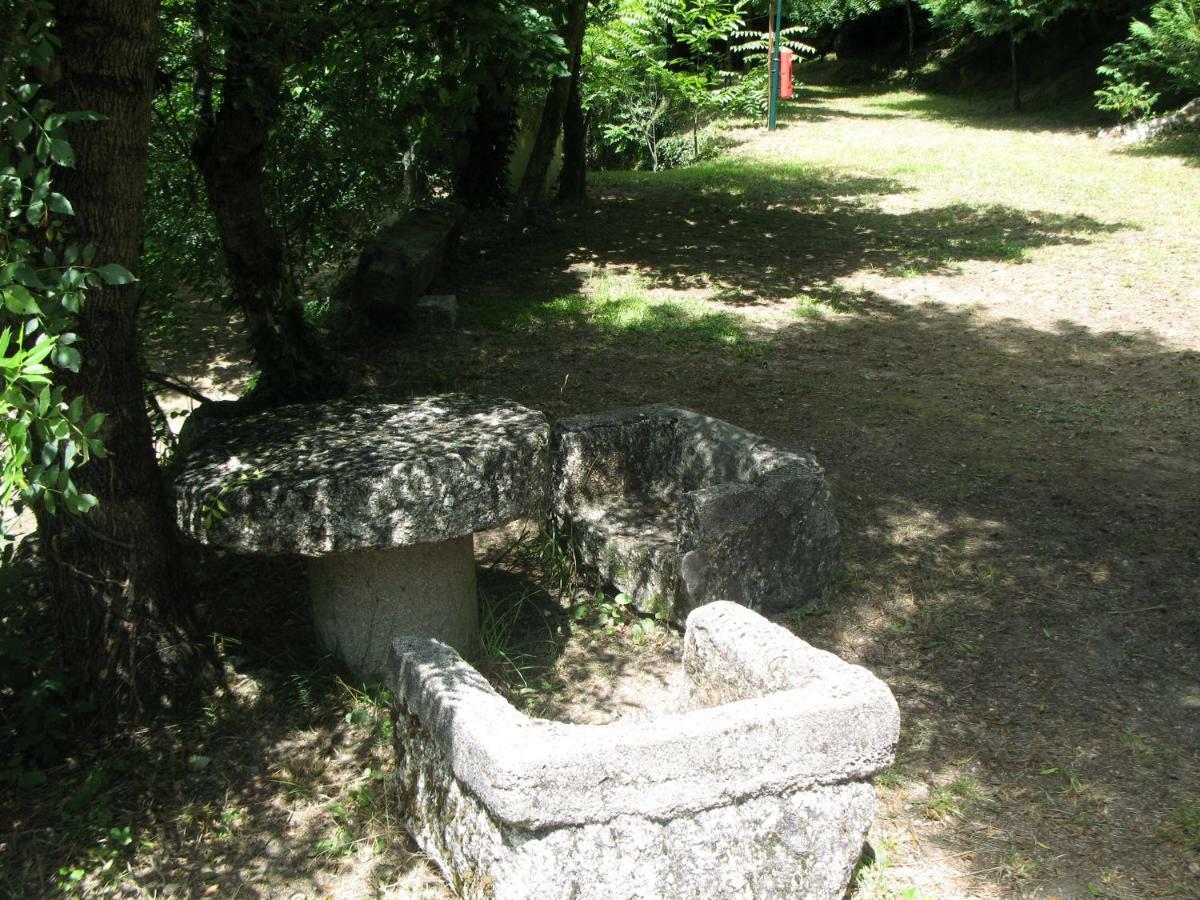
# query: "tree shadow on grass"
993,111
276,787
1184,146
758,237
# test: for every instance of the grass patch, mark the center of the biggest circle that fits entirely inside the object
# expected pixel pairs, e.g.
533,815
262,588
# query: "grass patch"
623,306
1183,826
954,799
876,878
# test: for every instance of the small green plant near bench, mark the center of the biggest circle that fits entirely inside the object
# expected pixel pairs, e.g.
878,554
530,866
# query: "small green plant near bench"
876,878
612,614
954,799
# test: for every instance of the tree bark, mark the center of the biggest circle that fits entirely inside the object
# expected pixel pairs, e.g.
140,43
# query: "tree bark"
482,179
121,607
908,12
1016,74
572,182
231,153
533,181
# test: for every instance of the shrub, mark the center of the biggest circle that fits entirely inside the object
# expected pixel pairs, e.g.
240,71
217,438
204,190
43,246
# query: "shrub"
1160,58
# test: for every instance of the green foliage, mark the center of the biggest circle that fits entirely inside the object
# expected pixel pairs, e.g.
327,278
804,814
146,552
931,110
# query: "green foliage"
612,614
371,100
1160,57
1018,18
831,13
657,68
33,710
44,278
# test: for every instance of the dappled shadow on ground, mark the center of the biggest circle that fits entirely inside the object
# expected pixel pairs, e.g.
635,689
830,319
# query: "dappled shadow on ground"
1184,145
279,787
1019,506
557,646
774,233
973,111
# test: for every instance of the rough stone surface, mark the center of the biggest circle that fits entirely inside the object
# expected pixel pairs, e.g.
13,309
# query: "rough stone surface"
512,807
362,600
437,312
315,479
399,264
678,509
1187,116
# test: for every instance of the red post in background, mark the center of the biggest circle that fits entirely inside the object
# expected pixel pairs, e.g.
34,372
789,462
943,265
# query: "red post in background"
785,73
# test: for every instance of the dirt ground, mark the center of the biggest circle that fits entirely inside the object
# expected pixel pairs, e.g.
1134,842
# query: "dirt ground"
988,330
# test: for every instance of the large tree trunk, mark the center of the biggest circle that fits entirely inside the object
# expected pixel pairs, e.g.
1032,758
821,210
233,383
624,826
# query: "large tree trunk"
572,183
912,28
121,607
533,182
231,153
482,179
1016,72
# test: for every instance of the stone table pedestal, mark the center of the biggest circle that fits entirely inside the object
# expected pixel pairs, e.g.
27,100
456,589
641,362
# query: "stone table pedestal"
362,600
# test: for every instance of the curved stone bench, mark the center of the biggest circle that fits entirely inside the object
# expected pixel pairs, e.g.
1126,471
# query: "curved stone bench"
677,509
759,789
381,498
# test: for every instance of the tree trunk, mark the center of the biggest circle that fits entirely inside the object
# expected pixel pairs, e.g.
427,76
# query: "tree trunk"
120,602
572,183
231,153
908,11
533,181
482,179
1016,74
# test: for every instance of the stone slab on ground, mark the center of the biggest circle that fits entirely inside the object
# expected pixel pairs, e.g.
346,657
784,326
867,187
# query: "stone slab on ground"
399,264
436,312
512,807
678,509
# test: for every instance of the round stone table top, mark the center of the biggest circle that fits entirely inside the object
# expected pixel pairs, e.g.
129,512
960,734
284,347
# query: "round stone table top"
321,478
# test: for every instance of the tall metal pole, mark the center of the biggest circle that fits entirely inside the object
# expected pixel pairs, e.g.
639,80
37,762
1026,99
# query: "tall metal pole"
773,115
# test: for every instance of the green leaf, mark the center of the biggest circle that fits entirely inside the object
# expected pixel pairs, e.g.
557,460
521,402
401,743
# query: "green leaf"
18,299
92,425
115,274
81,503
67,358
27,275
61,153
61,205
20,129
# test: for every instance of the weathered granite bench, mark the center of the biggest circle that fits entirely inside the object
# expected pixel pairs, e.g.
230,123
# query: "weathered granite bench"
677,509
381,498
759,789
